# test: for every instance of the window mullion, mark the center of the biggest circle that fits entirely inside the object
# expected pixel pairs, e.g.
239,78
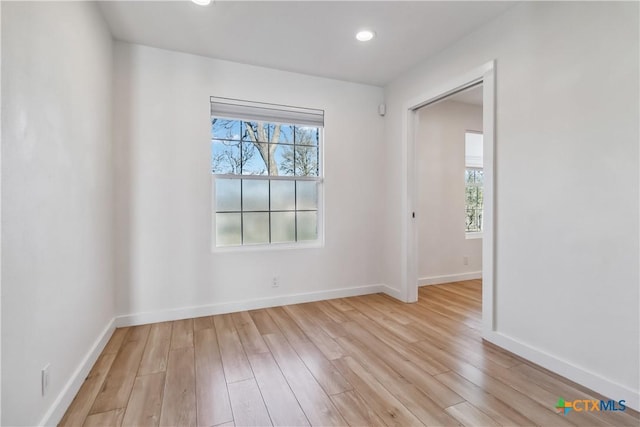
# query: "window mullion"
241,213
295,210
273,177
270,237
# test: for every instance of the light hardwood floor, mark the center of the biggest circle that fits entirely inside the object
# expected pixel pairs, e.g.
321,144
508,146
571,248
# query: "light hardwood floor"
358,361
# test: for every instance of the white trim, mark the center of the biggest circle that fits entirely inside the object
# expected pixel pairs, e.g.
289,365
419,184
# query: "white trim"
488,224
270,177
473,235
235,306
238,109
392,292
449,278
59,406
312,244
484,74
566,369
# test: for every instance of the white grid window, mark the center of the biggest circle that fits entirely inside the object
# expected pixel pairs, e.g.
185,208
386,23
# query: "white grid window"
267,173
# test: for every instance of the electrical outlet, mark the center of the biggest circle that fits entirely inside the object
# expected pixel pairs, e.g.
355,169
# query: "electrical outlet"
465,260
45,379
275,282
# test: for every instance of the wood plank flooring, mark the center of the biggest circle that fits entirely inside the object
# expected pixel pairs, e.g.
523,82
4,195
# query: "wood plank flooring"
367,360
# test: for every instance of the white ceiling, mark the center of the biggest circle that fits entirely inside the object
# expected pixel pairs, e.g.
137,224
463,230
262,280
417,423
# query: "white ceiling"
311,37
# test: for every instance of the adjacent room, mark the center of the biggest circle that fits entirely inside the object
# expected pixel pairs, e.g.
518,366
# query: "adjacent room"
297,213
449,186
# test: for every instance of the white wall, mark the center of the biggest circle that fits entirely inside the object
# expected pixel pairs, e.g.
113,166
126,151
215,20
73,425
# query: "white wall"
440,165
567,166
164,186
57,254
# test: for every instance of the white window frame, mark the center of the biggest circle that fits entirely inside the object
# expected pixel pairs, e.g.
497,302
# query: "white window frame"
283,113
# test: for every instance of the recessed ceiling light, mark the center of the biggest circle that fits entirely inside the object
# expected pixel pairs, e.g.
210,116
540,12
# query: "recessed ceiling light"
202,2
365,35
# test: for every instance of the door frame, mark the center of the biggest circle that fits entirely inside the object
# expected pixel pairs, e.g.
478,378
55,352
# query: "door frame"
484,74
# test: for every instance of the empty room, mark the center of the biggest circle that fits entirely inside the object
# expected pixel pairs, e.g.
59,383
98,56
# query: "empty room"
320,213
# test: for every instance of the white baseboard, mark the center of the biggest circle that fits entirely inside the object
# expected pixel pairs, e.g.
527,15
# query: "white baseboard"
232,307
394,293
448,278
59,406
567,369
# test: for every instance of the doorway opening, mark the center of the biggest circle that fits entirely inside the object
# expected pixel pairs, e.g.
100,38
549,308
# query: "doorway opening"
431,258
449,203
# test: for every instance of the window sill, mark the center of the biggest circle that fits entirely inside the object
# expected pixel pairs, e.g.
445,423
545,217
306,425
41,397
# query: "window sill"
267,247
473,235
